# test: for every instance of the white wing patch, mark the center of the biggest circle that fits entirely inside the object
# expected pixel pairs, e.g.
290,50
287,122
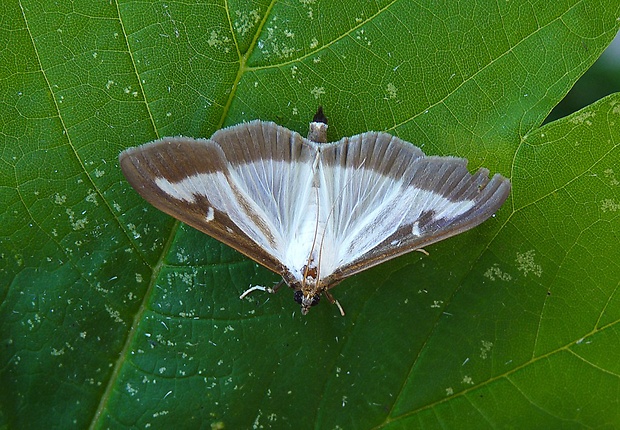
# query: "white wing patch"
210,214
262,190
182,190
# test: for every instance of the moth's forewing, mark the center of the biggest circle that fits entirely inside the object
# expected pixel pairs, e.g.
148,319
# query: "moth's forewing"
190,180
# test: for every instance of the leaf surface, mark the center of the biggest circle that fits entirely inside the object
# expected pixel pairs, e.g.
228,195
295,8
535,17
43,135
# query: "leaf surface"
113,314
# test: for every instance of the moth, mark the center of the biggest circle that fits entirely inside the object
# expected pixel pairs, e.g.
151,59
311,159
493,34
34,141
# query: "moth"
313,212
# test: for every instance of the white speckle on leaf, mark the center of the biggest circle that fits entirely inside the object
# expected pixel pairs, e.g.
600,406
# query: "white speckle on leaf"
219,41
494,273
188,278
485,349
129,90
57,352
308,4
92,197
59,199
246,21
361,36
256,424
611,176
449,391
391,90
132,391
314,43
116,315
76,224
33,324
610,205
133,230
583,117
273,45
189,314
182,256
468,380
100,289
526,264
317,92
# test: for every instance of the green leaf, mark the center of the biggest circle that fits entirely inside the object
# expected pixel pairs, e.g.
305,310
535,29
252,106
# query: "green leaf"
113,314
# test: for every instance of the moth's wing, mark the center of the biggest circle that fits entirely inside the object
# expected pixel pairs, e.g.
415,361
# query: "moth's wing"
388,198
231,187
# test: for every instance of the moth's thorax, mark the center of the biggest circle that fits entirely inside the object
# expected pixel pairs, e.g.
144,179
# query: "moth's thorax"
318,132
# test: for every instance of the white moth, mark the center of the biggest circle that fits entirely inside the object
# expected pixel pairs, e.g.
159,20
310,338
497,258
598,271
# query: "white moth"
312,211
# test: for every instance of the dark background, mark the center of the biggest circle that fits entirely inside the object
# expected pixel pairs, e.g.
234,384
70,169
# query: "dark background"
602,79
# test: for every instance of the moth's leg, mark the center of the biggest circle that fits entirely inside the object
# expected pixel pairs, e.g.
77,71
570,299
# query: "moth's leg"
334,301
261,288
423,251
278,285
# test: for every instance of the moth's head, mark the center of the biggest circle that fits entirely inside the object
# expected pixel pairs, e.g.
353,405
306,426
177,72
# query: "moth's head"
306,300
